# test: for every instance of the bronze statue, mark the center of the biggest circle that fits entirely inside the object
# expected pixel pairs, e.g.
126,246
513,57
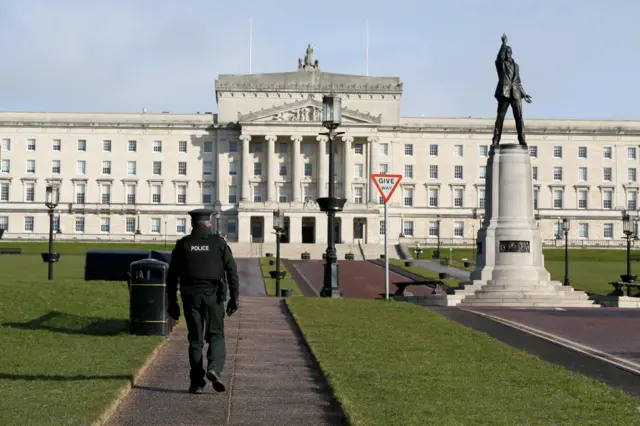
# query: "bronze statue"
308,60
509,92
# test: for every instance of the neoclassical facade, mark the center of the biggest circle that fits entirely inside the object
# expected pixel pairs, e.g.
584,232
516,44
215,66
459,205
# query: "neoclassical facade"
122,173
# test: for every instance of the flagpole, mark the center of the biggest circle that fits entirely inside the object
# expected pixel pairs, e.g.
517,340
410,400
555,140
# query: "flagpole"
367,47
250,44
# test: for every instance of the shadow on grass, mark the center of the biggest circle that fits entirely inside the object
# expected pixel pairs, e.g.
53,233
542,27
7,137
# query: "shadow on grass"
160,390
61,322
42,377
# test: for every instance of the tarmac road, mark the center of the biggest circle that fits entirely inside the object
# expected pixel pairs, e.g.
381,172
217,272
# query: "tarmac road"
250,276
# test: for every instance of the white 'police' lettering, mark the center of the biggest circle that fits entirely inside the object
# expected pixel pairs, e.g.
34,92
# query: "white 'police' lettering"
199,248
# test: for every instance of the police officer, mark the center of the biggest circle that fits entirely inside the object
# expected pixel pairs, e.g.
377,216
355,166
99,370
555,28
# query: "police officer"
201,260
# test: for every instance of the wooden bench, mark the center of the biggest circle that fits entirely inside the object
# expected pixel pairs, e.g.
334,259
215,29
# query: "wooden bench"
10,250
619,288
435,284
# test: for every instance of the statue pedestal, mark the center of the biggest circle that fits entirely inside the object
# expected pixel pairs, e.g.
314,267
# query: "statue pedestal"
510,267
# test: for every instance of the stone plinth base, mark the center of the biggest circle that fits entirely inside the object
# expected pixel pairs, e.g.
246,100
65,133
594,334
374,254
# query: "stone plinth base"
619,302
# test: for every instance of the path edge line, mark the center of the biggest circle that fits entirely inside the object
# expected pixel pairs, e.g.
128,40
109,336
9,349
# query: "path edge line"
561,341
125,389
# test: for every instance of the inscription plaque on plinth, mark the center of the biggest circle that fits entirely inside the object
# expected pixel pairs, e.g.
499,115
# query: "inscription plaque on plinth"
514,247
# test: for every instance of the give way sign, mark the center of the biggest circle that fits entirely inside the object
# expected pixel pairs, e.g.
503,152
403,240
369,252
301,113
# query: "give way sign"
386,184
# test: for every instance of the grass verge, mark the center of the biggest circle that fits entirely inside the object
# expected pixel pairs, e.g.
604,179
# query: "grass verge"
432,371
270,283
66,352
423,272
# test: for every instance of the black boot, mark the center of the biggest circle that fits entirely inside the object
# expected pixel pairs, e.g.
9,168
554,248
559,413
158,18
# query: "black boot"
218,386
197,388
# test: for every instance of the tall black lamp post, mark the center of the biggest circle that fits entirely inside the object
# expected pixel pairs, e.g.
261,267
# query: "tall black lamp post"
630,235
436,255
278,226
565,231
331,120
51,201
218,223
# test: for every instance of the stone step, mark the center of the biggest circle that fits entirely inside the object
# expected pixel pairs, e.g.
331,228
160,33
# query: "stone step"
527,296
532,301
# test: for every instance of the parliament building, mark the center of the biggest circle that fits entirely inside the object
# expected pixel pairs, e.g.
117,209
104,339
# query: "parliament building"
134,176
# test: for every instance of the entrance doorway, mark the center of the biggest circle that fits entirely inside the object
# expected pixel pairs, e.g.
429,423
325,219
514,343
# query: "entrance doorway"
359,229
257,229
308,230
337,231
284,238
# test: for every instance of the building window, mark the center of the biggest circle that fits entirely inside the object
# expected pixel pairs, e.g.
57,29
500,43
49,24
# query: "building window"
607,153
233,146
157,168
557,152
207,168
458,229
80,191
4,192
382,228
31,166
182,146
233,169
607,199
534,173
155,225
105,224
4,223
483,150
5,166
582,152
632,200
433,172
533,151
257,194
132,146
558,228
207,147
607,174
357,195
631,174
130,225
105,194
30,192
558,197
283,169
482,173
29,224
257,169
408,197
283,148
384,148
631,153
583,230
31,144
156,194
408,171
131,168
608,230
232,227
557,173
358,149
256,147
307,149
106,167
5,145
582,199
181,226
308,193
55,167
458,150
408,149
481,198
283,195
81,167
434,229
384,169
535,199
131,194
308,169
433,150
157,146
407,228
458,195
79,224
207,194
182,168
82,145
582,174
433,197
56,145
106,146
358,171
233,195
182,194
457,172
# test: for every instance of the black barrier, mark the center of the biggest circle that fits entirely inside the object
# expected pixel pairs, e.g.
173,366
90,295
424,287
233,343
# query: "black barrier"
111,265
148,298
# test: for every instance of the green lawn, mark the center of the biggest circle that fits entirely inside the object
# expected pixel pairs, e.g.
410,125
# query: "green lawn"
270,283
65,352
432,371
589,270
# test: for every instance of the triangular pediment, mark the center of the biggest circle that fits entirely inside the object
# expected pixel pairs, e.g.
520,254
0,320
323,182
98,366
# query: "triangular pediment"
305,110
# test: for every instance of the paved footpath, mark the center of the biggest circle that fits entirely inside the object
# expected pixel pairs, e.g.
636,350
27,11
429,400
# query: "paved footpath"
271,378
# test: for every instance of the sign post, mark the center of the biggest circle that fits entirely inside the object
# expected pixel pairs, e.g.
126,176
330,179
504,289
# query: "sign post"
386,185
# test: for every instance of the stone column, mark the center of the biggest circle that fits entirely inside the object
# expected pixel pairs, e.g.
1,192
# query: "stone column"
323,166
246,168
217,192
272,168
295,168
374,161
348,168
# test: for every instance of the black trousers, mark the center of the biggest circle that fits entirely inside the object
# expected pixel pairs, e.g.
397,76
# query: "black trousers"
204,314
503,107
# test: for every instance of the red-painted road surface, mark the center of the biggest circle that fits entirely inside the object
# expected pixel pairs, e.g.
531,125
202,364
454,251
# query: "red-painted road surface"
358,279
612,330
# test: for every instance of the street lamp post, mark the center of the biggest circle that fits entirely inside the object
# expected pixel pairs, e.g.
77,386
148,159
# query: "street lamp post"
437,253
565,230
278,226
630,234
51,201
218,223
331,120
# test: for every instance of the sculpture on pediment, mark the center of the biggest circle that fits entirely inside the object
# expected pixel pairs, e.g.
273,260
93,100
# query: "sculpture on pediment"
308,59
308,64
299,64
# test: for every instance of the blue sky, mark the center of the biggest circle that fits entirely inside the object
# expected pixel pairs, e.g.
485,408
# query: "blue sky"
578,58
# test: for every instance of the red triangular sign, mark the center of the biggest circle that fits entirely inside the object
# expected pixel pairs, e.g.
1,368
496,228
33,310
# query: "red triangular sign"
386,184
